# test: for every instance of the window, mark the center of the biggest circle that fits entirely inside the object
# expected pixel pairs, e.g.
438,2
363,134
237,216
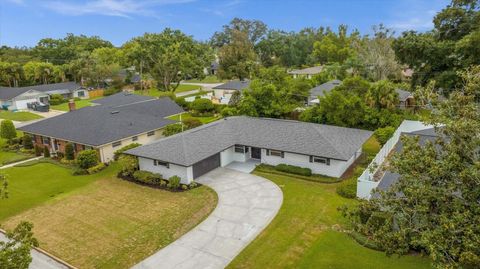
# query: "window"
160,163
116,144
150,133
135,138
315,159
239,149
46,140
277,153
81,94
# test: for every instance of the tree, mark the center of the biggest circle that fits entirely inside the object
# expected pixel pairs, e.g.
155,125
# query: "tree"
334,47
15,252
254,30
10,74
457,20
39,72
7,130
202,105
46,152
237,58
235,99
382,95
171,56
27,141
128,164
69,151
354,85
87,158
434,206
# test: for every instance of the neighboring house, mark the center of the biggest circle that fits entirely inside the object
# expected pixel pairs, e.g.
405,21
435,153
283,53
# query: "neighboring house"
129,76
17,98
116,121
224,92
212,69
306,72
326,150
407,73
406,98
321,90
374,176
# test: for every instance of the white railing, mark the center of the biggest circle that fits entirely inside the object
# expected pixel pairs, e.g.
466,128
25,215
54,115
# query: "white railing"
366,182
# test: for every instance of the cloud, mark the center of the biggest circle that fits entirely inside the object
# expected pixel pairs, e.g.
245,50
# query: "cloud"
221,10
119,8
18,2
413,24
414,14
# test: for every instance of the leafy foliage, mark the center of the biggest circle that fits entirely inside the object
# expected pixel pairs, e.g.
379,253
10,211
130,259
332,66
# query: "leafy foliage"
174,182
297,170
383,134
69,152
128,164
87,158
7,130
119,152
15,253
202,105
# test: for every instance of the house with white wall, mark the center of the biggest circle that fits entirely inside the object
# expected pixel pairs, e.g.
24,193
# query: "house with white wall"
224,92
116,121
308,72
326,150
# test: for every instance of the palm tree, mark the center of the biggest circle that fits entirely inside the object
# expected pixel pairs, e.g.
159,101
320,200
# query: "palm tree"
382,95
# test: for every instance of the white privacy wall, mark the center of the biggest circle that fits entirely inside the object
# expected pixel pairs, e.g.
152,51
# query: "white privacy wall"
229,155
335,169
185,173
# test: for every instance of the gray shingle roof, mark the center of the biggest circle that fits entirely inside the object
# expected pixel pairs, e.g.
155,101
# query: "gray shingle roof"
234,85
122,98
197,144
307,71
7,93
326,87
97,125
403,95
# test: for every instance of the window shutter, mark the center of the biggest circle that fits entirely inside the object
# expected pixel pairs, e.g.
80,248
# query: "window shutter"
328,161
283,154
268,152
311,159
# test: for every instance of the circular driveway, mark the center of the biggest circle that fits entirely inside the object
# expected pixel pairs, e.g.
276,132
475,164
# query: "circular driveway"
246,205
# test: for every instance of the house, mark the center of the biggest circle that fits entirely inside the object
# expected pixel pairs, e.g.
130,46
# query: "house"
17,98
306,72
374,177
116,121
321,90
224,92
326,150
406,98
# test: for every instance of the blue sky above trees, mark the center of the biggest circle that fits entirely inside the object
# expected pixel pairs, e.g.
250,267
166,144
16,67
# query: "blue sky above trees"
24,22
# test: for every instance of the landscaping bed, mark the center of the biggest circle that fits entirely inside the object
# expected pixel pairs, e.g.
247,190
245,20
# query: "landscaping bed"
159,185
265,168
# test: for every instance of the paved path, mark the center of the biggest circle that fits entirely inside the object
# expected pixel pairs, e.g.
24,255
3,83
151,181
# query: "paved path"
180,94
20,162
246,205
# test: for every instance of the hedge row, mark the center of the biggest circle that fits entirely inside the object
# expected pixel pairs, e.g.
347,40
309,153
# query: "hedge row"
314,177
292,169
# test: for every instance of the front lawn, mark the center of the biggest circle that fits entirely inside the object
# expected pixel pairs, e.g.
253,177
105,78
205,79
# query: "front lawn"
78,104
308,233
100,221
207,79
187,115
7,157
154,92
186,88
18,116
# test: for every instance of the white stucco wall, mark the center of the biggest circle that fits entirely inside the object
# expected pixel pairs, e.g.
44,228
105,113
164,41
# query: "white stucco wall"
335,169
185,173
229,155
75,93
107,151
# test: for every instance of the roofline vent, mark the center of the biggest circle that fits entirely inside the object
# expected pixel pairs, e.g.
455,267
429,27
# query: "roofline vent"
115,112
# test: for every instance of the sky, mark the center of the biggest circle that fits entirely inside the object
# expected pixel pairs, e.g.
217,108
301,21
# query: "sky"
25,22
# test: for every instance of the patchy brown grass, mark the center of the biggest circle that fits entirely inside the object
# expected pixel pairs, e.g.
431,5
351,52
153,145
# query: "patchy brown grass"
113,223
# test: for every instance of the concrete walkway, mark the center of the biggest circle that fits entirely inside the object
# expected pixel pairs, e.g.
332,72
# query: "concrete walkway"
246,205
181,94
20,162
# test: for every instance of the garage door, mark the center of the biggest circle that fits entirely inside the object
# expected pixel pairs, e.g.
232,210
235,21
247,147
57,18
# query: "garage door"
206,165
22,104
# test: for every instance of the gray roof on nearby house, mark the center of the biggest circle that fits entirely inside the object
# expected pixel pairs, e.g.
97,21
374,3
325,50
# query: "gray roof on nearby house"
7,93
326,87
102,124
238,85
194,145
403,95
307,71
122,98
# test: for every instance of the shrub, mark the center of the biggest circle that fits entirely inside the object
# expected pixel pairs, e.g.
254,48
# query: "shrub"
15,141
163,182
172,129
97,168
7,130
364,241
193,184
202,105
56,99
69,153
67,162
46,152
128,164
383,134
147,177
229,111
110,91
27,142
191,123
87,158
79,171
60,155
174,182
347,189
184,187
38,150
117,153
297,170
181,102
219,107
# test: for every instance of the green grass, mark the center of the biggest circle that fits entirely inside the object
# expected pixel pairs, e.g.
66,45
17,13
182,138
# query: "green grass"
154,92
203,120
207,79
18,116
308,233
31,186
11,157
78,104
186,88
372,146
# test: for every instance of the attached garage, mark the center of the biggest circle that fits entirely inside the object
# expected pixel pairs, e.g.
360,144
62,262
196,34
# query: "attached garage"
22,104
206,165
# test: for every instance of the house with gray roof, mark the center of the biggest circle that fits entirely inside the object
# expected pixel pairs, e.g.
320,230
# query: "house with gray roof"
17,98
225,91
116,121
321,90
327,150
308,72
405,98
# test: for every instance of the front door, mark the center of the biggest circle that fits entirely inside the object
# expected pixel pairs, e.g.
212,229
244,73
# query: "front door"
256,153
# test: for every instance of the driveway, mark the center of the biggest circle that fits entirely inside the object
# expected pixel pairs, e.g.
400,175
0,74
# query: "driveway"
246,205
